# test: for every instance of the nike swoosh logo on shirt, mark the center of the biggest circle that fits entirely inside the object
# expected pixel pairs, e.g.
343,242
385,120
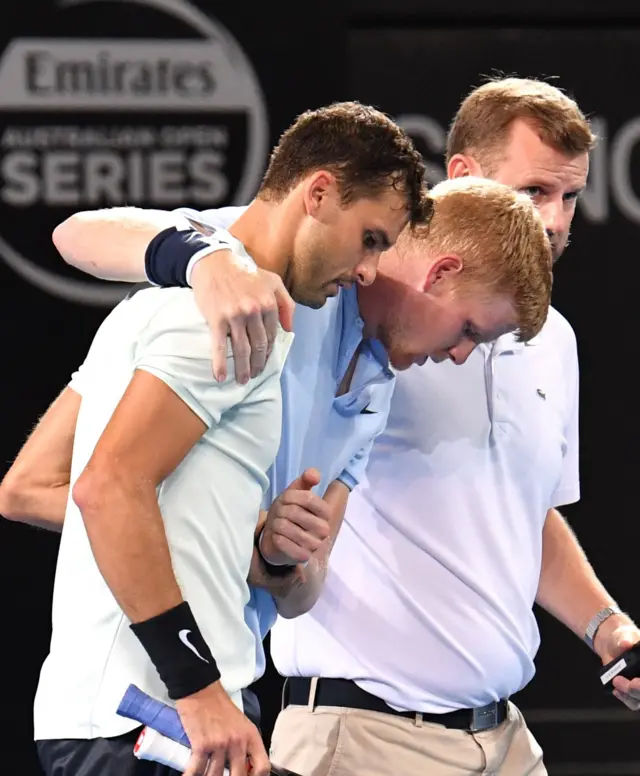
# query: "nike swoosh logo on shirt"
183,635
367,411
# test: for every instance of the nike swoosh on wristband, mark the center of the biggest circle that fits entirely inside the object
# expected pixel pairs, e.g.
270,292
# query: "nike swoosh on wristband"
183,635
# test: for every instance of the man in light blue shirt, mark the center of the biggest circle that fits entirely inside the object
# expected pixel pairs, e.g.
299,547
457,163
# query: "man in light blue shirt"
336,402
444,290
333,433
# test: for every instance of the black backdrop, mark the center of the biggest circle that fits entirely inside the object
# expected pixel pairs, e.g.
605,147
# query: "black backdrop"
414,63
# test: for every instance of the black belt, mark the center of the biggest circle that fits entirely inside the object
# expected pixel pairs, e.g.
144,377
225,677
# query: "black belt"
345,693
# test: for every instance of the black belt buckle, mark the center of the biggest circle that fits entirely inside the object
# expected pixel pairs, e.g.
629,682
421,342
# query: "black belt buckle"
484,718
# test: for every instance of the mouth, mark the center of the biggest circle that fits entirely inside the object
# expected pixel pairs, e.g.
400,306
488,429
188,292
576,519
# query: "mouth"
406,361
332,288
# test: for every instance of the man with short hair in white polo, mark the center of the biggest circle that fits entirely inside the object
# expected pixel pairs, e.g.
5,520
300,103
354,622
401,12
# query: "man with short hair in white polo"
425,625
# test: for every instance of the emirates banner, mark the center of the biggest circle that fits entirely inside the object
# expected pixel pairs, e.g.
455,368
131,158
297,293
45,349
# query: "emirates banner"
105,103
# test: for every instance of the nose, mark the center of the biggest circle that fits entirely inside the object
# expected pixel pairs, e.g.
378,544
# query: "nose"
367,269
461,352
554,217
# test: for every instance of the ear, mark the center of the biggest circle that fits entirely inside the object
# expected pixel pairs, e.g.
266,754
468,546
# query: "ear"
442,273
319,188
461,165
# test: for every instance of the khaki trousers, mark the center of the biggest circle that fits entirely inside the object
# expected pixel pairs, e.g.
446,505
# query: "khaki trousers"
331,741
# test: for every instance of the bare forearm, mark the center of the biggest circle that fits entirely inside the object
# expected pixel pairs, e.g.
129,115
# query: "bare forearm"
306,587
41,507
569,588
295,592
128,539
111,243
36,487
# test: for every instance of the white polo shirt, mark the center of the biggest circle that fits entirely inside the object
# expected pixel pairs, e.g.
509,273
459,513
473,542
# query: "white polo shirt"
429,594
209,504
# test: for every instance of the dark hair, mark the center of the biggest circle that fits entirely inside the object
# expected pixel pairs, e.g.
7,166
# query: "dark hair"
366,151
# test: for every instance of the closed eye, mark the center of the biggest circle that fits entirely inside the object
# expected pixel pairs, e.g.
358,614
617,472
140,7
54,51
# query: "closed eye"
369,241
468,332
376,240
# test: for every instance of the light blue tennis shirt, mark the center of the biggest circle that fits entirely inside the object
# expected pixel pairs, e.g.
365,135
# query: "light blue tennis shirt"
332,433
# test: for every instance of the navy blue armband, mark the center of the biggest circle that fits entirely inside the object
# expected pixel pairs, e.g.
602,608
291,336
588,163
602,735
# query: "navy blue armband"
169,253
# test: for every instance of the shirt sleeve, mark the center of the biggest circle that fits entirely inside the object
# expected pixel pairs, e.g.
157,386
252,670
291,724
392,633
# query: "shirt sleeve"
205,218
77,380
355,469
81,378
188,213
176,348
568,491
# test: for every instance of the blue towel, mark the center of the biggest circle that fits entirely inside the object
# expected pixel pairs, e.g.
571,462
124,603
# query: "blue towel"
137,705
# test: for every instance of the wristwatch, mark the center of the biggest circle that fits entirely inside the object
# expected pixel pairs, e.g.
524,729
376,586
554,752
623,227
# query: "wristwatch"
597,620
273,569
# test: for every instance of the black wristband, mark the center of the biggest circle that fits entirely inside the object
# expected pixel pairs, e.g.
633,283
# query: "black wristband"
169,253
273,571
178,651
